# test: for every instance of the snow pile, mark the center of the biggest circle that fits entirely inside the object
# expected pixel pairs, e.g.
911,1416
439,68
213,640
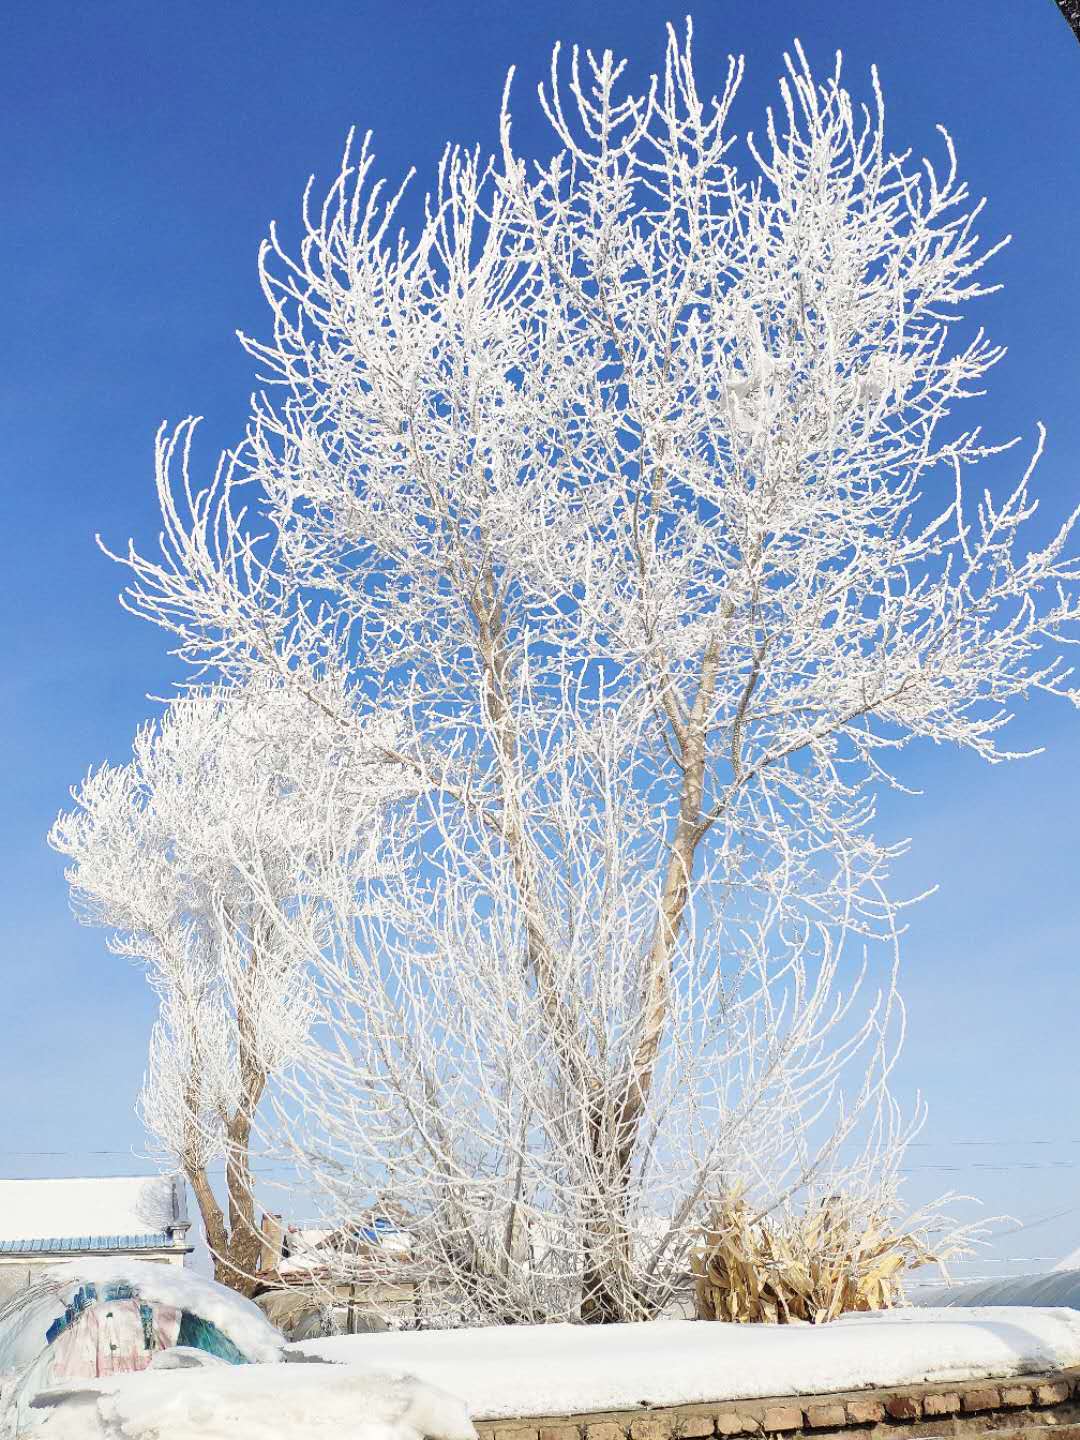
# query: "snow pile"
29,1363
281,1402
310,1247
562,1369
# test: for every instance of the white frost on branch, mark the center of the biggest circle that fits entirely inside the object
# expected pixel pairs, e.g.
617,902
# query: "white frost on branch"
631,482
199,855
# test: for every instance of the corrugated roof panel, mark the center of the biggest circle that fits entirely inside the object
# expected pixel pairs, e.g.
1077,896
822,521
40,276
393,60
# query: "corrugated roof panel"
76,1244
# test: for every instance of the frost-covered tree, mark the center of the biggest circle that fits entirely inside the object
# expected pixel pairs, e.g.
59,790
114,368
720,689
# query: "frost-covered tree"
632,481
198,856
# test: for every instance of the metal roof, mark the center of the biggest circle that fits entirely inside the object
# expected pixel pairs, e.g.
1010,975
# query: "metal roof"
76,1244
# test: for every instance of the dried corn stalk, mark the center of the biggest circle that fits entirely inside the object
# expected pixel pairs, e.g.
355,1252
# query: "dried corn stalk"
808,1268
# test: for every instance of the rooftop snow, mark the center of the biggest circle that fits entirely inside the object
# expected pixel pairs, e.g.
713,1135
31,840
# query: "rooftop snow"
129,1205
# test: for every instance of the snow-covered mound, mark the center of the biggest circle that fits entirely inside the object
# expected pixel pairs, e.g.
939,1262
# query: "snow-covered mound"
561,1369
254,1402
25,1320
88,1319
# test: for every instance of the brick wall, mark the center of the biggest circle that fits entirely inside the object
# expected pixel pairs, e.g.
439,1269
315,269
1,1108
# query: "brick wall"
1032,1406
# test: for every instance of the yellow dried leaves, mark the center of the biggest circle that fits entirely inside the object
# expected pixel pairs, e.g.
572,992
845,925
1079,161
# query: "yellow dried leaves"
805,1269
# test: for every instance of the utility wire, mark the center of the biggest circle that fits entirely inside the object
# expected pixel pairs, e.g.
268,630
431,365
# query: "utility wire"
914,1144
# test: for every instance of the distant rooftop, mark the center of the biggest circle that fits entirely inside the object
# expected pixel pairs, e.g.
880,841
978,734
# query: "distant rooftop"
118,1212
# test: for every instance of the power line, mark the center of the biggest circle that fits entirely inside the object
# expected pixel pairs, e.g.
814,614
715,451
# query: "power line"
914,1145
990,1166
997,1165
1042,1220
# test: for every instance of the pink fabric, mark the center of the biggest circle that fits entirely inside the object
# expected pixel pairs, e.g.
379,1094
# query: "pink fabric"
108,1339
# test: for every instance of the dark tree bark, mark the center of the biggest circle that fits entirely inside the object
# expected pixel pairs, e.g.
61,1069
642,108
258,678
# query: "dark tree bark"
1071,10
235,1246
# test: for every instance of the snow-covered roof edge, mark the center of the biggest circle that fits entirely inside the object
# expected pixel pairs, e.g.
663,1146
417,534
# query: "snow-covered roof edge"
93,1206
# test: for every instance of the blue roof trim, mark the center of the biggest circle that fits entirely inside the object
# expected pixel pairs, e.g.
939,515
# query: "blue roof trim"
73,1244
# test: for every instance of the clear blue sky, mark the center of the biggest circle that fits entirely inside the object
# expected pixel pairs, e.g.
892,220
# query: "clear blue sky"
145,148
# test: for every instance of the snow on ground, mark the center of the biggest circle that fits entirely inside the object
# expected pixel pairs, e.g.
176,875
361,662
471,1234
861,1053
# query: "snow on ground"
561,1369
402,1386
254,1402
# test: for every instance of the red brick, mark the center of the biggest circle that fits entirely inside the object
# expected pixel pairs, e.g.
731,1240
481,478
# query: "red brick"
1016,1395
651,1427
732,1422
694,1425
903,1407
986,1397
944,1404
602,1430
1052,1394
782,1417
826,1417
865,1412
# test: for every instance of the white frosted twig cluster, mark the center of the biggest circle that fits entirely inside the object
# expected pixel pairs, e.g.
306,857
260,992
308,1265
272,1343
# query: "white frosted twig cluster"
197,855
630,485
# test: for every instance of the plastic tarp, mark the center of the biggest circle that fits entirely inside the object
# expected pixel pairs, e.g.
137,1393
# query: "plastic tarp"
94,1319
1054,1288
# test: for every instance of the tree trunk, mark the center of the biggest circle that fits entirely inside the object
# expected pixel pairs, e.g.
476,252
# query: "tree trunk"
612,1130
213,1220
245,1239
608,1291
236,1248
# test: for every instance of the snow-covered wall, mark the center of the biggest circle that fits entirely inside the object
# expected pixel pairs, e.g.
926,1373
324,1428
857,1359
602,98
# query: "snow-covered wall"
522,1370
